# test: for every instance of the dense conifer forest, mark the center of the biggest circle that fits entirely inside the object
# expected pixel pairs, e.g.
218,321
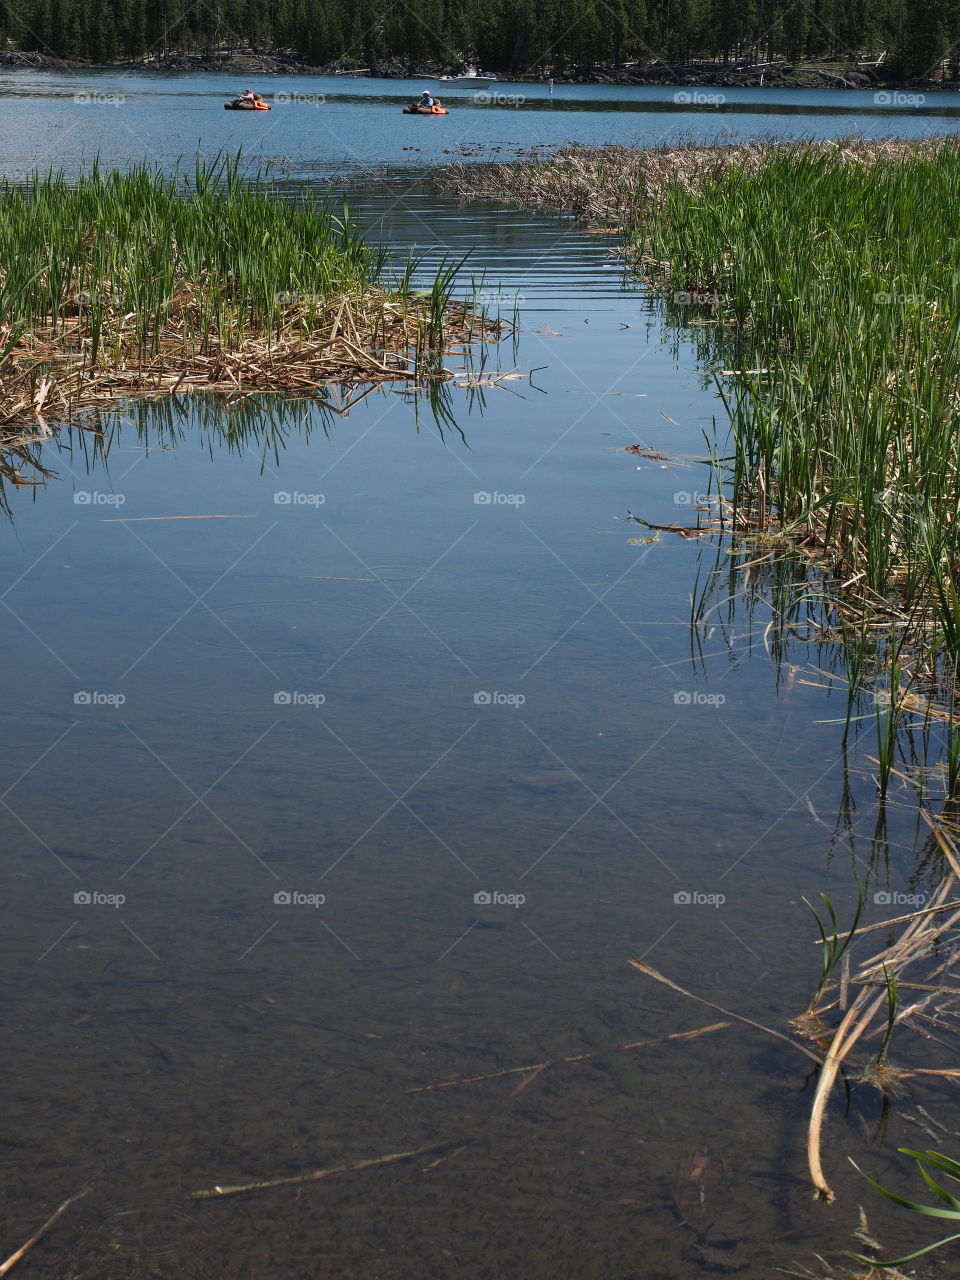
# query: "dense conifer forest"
501,35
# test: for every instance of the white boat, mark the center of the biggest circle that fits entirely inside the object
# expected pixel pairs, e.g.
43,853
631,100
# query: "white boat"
470,80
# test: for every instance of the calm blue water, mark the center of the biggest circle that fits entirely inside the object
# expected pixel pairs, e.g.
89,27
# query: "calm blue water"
419,665
333,124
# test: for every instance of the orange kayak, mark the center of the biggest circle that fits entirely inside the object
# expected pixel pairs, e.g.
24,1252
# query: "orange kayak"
237,105
425,111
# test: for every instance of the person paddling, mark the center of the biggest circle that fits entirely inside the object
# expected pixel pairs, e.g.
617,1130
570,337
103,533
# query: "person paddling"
426,101
247,96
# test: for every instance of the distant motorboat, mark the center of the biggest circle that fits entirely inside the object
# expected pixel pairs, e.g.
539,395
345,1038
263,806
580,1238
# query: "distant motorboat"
469,79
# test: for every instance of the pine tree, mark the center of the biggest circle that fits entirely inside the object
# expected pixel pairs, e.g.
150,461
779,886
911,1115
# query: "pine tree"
499,34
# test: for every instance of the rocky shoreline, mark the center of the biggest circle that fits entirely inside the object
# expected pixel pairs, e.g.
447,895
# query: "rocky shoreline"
690,75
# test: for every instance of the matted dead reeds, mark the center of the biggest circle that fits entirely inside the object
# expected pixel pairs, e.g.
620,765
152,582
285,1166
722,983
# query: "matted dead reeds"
47,376
616,185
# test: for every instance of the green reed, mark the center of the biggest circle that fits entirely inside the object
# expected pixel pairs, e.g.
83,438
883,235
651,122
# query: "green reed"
948,1206
832,282
212,254
840,283
833,947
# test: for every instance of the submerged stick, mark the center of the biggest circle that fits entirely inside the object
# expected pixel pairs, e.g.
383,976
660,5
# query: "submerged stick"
143,519
649,970
38,1235
536,1067
525,1084
319,1174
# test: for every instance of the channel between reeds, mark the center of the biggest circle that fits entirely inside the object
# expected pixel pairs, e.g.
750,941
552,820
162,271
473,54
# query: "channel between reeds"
821,283
139,283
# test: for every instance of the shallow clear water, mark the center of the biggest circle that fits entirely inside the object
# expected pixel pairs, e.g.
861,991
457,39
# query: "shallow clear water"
411,666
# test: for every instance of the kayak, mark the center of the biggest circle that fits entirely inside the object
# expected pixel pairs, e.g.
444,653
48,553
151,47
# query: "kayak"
425,111
246,106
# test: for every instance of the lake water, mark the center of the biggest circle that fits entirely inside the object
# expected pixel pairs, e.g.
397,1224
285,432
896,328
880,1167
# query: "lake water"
337,124
414,661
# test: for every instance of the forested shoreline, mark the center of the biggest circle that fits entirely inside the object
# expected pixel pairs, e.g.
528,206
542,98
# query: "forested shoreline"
920,41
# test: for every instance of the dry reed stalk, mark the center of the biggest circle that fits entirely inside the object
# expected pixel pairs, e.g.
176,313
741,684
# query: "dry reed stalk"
649,970
534,1069
15,1257
845,1037
916,942
923,933
912,915
319,1174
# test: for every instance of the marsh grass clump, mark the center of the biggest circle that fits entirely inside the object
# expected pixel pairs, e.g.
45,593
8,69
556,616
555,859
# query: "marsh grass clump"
841,368
136,282
835,343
